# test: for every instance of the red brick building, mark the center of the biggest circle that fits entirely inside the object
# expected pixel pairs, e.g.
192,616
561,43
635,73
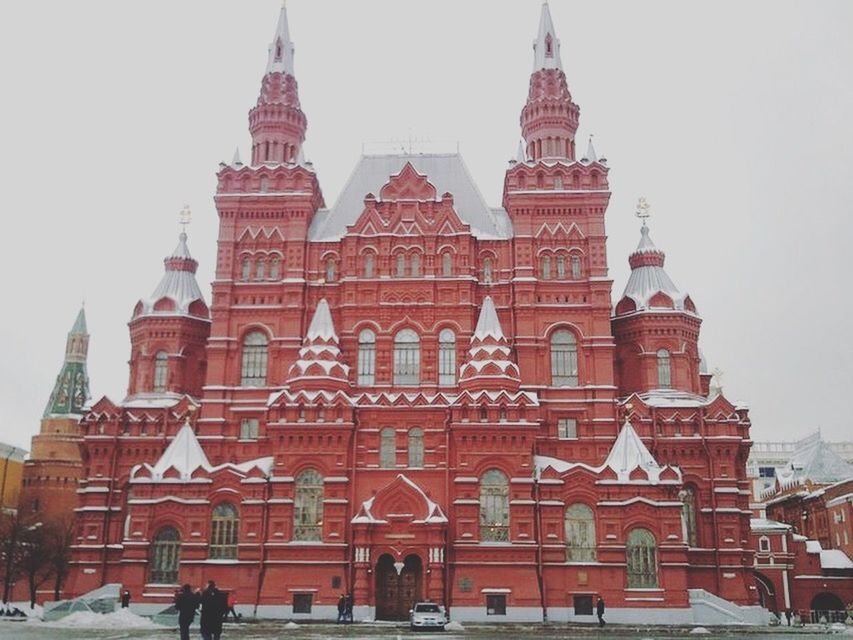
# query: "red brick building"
412,394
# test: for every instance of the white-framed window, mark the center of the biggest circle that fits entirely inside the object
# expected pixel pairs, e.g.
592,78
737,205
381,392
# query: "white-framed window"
561,267
369,265
254,361
249,429
366,357
161,372
664,369
387,448
446,264
400,271
487,270
641,557
494,507
764,544
165,556
576,267
224,528
308,506
407,358
564,359
546,267
260,269
416,448
415,265
580,533
331,270
245,269
275,269
567,428
446,358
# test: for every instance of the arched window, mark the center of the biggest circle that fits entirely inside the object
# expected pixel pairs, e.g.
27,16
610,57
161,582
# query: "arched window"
254,372
246,269
446,264
401,266
330,270
641,556
558,182
407,358
664,369
308,506
387,448
165,556
366,357
487,270
564,359
260,269
580,534
264,184
161,372
275,269
416,448
416,265
546,267
446,358
494,507
688,515
224,527
561,267
369,265
576,267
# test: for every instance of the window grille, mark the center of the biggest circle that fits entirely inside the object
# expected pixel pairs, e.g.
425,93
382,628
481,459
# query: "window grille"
387,448
494,507
407,358
641,557
302,602
275,269
446,358
446,264
688,515
546,267
165,556
366,357
249,429
368,265
416,265
576,268
401,266
224,529
308,507
416,448
246,269
664,370
161,372
487,270
495,605
580,533
254,373
567,428
561,267
330,270
260,267
564,359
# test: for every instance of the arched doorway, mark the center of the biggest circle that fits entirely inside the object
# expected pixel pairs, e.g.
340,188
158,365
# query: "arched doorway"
398,586
766,593
828,605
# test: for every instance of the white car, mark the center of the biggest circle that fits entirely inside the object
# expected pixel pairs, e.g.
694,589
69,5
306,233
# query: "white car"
427,615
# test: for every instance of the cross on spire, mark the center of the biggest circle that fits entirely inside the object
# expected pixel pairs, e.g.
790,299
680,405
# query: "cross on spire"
184,218
642,211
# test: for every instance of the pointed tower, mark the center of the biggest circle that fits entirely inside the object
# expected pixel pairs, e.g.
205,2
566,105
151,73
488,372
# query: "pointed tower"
488,365
550,118
169,331
319,366
656,328
71,390
277,123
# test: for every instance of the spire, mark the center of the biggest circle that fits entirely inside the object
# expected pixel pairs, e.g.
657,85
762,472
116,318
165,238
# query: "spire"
488,325
546,47
322,327
319,357
590,152
520,155
629,454
178,288
489,365
281,48
71,389
235,161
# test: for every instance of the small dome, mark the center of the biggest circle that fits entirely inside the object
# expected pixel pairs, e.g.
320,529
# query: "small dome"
178,292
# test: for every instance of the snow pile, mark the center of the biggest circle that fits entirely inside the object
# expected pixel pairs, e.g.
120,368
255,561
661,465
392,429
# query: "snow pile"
291,625
121,619
453,626
36,612
699,630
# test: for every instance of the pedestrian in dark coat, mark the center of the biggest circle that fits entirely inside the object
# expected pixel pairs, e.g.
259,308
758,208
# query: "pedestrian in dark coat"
788,615
342,609
599,610
186,602
348,608
213,608
125,599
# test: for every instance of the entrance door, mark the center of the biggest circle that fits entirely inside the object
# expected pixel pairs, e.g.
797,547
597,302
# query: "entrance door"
397,592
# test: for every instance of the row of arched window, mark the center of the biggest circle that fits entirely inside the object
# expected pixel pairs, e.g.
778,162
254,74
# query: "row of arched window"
560,267
388,448
261,268
406,360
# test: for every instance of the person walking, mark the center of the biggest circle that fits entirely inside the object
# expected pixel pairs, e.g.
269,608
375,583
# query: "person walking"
213,606
186,602
342,608
788,615
125,599
232,602
599,611
348,608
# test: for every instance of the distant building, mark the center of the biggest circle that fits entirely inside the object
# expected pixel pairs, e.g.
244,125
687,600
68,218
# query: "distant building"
54,468
11,476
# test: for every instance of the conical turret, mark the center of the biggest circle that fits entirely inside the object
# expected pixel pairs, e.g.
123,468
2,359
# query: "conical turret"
319,358
488,365
178,292
71,390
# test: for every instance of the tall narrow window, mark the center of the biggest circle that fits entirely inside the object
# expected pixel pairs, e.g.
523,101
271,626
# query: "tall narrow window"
558,182
275,269
249,429
564,359
330,270
688,515
446,264
407,358
260,269
416,448
546,267
576,267
561,267
416,265
401,266
487,270
161,372
387,448
246,269
446,358
369,265
254,372
308,507
165,556
224,527
494,507
580,534
641,557
567,428
366,357
664,369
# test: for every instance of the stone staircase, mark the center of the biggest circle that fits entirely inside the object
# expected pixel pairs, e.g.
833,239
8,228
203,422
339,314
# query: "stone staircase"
709,609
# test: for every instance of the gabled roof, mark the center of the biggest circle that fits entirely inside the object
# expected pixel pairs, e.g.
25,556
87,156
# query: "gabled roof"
434,514
447,172
814,460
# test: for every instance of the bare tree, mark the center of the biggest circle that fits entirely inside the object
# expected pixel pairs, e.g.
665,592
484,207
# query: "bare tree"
12,534
61,536
36,558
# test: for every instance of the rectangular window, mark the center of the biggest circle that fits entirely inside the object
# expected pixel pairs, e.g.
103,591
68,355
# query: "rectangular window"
495,605
567,428
447,365
302,602
766,472
249,429
366,364
583,605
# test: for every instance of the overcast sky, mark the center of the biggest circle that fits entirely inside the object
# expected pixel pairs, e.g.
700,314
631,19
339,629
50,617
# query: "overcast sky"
731,117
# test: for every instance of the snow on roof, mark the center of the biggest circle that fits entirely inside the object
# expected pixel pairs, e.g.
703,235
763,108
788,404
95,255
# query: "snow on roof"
152,400
322,327
834,559
762,524
281,49
434,512
488,323
648,277
178,284
672,398
446,172
813,546
816,461
543,57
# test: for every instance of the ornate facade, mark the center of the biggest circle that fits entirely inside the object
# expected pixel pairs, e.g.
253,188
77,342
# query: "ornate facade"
411,394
